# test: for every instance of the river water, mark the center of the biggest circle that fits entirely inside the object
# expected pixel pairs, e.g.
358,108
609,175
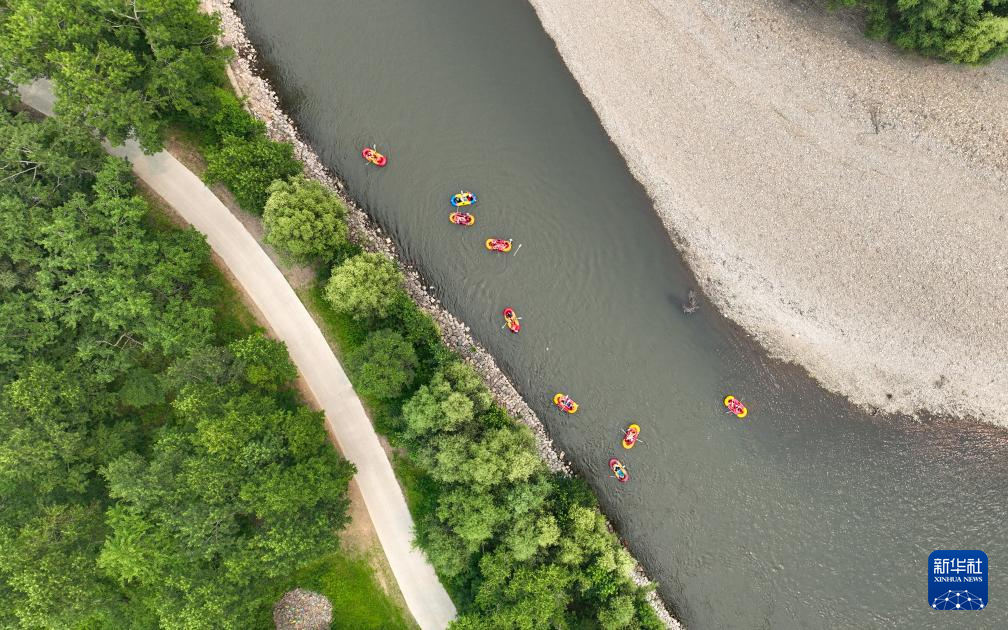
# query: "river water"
809,514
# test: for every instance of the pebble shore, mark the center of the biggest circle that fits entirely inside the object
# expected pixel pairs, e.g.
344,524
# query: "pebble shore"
262,101
842,200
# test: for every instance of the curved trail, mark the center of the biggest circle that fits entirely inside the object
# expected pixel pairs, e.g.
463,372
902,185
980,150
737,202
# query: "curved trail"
345,417
840,200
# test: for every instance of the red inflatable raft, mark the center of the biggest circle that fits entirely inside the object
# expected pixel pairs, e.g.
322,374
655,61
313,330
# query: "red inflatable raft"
374,157
511,320
498,245
565,403
462,218
735,406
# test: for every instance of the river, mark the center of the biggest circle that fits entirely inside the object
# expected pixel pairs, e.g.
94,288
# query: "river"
810,513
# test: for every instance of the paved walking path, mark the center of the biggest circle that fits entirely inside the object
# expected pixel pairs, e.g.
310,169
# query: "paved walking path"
290,321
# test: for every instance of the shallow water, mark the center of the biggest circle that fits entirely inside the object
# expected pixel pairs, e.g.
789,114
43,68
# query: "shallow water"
810,513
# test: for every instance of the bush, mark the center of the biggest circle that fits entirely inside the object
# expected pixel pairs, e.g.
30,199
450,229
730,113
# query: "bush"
963,31
367,287
227,117
383,366
247,166
420,330
304,220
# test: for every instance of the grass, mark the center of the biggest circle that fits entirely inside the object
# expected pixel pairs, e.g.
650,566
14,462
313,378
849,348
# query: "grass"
234,320
420,489
358,601
343,333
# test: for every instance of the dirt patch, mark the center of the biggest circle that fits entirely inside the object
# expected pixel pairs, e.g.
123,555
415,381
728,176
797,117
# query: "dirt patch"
185,151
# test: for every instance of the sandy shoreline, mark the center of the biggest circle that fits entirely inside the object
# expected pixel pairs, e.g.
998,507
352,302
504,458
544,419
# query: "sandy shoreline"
843,202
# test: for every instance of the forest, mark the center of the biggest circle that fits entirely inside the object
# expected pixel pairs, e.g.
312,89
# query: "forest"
156,468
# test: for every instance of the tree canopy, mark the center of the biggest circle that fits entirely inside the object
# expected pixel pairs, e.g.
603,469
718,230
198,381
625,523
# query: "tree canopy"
531,553
384,365
123,68
304,220
367,287
154,471
963,31
248,166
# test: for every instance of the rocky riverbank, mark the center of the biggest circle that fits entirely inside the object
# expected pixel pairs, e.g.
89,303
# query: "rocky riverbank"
841,200
262,101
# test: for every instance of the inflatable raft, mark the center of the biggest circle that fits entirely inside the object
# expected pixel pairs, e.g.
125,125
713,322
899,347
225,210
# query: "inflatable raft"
498,245
618,469
374,157
511,320
631,435
565,403
463,198
735,406
462,218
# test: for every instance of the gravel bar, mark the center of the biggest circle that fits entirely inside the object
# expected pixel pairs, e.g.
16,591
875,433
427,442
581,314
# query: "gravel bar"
843,201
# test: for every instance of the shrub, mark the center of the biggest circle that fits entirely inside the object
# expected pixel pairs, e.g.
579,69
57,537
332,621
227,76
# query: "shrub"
963,31
421,331
247,166
304,220
366,287
229,118
383,366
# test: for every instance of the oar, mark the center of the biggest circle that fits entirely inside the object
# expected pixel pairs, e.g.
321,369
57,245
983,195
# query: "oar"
516,251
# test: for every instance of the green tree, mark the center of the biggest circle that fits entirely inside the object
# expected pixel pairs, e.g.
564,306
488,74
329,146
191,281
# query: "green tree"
618,613
963,31
435,408
304,220
366,287
44,418
123,68
383,366
263,361
247,166
48,561
238,490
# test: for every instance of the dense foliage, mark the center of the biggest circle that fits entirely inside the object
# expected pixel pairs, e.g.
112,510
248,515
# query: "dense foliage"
132,68
304,220
124,68
155,467
530,548
383,367
367,287
248,166
963,31
152,467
